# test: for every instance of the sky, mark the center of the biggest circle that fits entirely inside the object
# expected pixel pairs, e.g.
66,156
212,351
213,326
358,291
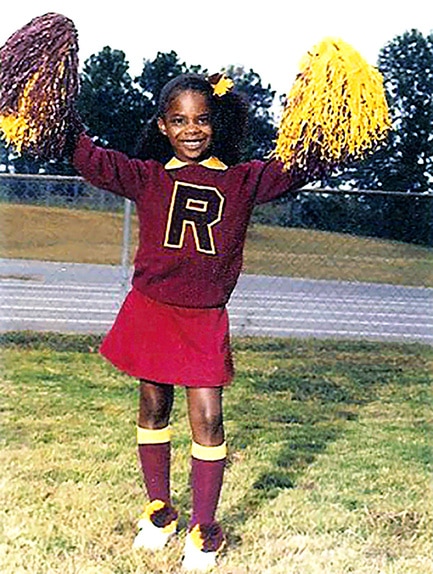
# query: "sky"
269,37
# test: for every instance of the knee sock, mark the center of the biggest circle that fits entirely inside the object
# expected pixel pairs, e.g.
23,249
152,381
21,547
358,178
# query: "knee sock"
207,471
154,453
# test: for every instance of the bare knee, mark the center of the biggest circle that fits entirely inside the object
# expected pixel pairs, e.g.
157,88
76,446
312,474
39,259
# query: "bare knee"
207,426
206,416
156,401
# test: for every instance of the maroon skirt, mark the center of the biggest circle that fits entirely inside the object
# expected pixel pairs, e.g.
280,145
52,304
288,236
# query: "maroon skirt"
168,344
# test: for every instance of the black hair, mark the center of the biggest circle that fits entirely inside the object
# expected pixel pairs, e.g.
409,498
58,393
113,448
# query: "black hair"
229,118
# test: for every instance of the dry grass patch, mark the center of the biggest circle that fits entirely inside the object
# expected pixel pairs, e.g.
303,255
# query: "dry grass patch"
337,256
60,234
83,236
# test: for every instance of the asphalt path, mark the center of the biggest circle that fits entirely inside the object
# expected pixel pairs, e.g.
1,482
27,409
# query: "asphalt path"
71,297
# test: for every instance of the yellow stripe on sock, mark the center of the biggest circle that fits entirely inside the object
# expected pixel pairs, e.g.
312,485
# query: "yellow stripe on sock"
153,436
209,452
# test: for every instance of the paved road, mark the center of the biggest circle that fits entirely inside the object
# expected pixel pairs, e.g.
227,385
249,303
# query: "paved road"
85,298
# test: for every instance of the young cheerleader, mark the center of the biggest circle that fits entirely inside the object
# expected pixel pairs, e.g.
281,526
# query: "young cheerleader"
193,203
194,200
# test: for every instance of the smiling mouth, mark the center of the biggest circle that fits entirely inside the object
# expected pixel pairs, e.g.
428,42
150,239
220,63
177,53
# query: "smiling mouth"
193,144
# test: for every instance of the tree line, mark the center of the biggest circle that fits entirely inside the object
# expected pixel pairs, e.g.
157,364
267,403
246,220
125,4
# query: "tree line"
115,107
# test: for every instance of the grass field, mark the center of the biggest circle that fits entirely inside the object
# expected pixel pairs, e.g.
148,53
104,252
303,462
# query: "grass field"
330,460
60,234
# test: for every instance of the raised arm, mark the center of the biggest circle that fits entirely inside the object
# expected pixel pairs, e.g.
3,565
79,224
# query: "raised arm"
275,180
108,169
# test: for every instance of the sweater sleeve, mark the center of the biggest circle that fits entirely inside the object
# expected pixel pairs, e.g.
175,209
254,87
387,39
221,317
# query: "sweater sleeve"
109,169
274,181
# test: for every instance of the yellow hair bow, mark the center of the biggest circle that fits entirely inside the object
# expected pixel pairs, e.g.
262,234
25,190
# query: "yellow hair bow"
221,84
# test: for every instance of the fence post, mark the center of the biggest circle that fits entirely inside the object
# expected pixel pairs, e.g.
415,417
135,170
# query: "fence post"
125,244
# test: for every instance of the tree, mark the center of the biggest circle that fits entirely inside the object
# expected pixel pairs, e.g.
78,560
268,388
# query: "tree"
156,73
4,157
406,64
110,104
405,163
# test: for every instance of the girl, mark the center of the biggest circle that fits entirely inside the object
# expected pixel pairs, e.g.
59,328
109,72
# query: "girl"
193,201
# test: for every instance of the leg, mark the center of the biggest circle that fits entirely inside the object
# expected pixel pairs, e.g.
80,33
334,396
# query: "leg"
208,451
206,415
156,401
205,537
159,519
153,437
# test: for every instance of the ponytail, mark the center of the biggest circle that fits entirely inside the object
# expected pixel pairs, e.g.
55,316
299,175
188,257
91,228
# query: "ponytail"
152,144
230,127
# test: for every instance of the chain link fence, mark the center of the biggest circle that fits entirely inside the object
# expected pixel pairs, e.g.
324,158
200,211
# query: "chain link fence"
313,266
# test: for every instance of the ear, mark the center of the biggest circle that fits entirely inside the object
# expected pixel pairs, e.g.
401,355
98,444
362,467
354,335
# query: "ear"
161,126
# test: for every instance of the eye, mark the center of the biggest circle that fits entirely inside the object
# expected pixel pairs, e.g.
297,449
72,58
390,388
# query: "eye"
177,121
204,120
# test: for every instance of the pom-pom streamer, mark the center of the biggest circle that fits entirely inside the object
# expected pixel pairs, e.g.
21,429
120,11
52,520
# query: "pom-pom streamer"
335,112
39,85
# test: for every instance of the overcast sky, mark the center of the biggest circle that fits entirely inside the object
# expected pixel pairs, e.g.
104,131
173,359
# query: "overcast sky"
269,37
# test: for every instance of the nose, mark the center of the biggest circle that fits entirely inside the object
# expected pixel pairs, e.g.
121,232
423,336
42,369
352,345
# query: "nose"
192,127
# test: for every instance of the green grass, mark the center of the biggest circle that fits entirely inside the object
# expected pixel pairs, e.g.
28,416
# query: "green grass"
329,471
83,236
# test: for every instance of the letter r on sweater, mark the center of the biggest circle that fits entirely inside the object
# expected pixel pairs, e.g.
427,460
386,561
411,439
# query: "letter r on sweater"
197,207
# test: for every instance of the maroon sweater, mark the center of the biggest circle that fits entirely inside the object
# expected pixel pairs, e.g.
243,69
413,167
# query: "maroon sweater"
192,219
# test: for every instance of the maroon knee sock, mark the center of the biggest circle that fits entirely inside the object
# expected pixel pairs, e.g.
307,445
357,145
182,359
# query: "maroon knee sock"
206,478
155,465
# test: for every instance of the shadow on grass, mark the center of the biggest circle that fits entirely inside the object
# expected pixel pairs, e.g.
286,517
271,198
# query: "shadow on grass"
291,401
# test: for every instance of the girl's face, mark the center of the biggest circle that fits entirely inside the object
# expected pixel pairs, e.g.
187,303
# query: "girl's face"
187,124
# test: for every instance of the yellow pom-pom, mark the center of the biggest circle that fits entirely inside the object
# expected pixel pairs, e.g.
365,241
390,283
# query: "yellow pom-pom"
336,110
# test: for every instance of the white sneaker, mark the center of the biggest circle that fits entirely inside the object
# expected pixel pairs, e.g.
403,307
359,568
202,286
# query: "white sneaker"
202,546
156,526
